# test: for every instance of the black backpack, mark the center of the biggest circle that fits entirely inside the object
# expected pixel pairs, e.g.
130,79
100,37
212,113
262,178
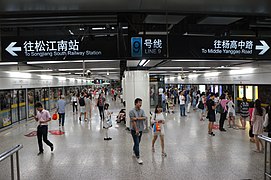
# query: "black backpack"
82,101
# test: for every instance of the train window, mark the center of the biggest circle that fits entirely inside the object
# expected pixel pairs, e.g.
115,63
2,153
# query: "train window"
5,112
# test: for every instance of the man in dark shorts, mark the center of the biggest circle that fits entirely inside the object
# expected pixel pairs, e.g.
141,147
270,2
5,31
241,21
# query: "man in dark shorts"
211,113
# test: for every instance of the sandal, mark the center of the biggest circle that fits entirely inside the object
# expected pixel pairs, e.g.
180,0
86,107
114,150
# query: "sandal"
153,150
164,154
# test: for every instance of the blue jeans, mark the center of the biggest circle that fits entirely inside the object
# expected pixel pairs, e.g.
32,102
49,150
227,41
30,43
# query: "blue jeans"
182,110
164,106
137,140
61,118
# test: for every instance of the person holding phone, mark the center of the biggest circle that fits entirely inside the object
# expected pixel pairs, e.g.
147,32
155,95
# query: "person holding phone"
137,119
43,117
158,121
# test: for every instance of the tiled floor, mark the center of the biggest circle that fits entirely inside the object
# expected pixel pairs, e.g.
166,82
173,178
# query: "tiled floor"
81,153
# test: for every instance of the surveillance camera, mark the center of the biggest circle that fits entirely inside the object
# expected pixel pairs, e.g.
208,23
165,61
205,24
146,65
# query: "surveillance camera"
182,77
88,72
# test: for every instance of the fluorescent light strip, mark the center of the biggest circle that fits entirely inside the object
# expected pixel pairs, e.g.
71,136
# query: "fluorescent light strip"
45,77
61,78
70,69
98,28
57,62
242,71
41,70
19,74
168,68
8,63
212,74
146,63
142,62
101,69
199,67
205,60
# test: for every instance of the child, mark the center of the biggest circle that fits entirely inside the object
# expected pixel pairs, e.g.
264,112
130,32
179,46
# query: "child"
108,122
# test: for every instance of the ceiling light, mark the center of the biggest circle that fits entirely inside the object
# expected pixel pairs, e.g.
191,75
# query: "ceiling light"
19,74
62,78
112,28
103,69
81,29
168,68
212,74
242,71
45,77
125,27
39,70
8,63
71,79
107,73
98,28
223,67
193,75
142,62
146,63
70,69
199,67
208,60
71,32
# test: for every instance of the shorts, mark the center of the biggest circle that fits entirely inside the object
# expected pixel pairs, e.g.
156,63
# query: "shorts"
231,114
82,109
211,117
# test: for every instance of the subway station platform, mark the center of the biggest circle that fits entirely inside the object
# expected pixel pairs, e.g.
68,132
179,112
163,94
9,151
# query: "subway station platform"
82,154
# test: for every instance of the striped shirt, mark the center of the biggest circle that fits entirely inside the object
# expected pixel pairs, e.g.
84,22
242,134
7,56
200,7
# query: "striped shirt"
244,107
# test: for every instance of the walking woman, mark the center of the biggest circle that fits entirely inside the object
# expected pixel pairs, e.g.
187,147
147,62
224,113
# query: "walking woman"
100,104
258,115
158,121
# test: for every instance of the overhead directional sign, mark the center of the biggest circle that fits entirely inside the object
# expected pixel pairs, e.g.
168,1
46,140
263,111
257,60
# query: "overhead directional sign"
57,48
263,48
219,47
11,49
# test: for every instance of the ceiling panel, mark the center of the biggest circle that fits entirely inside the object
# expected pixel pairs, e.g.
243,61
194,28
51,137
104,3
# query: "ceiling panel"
220,20
163,19
185,6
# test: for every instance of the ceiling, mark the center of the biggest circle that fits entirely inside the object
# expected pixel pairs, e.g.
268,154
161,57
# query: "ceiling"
122,18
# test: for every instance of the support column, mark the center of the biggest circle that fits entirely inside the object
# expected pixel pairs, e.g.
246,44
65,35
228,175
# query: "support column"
137,85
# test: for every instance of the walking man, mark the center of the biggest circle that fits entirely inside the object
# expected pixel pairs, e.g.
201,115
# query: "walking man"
137,119
61,104
43,117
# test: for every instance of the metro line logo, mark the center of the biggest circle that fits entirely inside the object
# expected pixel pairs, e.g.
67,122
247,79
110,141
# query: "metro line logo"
136,46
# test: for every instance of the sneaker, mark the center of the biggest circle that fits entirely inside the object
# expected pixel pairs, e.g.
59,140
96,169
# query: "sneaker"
211,134
52,148
139,160
40,153
79,118
164,154
223,130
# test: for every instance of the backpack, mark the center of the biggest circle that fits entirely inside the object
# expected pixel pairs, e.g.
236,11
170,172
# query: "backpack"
219,108
82,101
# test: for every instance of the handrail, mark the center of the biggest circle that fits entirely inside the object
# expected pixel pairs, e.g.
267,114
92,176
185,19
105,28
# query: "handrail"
9,153
266,140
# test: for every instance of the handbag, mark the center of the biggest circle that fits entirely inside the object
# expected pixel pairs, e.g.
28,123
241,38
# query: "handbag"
54,116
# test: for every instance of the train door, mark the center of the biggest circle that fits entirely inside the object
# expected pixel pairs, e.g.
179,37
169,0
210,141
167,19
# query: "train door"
46,97
14,106
31,102
5,108
22,104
